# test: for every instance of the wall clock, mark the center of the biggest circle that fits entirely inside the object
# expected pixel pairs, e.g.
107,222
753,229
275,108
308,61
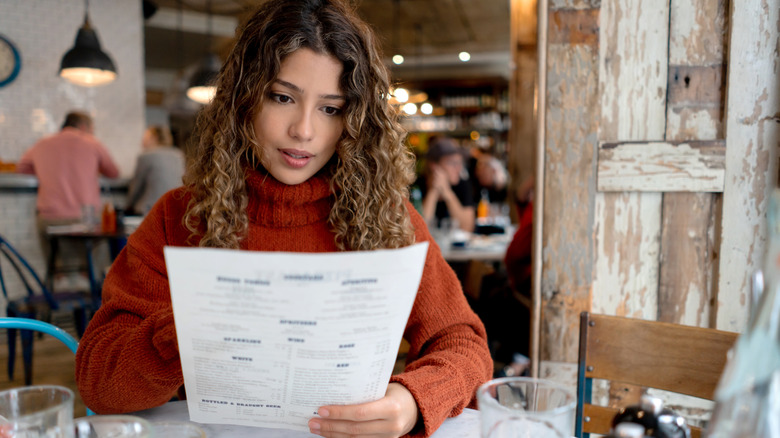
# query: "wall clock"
10,61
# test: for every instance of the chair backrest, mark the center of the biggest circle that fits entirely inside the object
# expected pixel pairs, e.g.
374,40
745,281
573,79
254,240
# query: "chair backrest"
682,359
25,272
45,327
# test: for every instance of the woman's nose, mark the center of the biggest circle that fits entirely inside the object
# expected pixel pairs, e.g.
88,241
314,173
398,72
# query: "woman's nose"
302,128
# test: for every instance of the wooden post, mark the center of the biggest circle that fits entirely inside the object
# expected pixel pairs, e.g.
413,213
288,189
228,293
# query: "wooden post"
632,79
752,139
570,129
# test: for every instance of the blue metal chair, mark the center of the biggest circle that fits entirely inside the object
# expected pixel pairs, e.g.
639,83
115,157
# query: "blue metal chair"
27,324
37,303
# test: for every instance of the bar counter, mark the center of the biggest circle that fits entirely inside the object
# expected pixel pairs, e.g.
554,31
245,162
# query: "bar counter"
18,182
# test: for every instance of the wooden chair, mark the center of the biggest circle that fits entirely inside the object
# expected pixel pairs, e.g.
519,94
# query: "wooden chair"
672,357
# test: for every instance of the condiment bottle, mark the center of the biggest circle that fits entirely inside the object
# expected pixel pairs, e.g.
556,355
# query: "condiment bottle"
483,208
108,219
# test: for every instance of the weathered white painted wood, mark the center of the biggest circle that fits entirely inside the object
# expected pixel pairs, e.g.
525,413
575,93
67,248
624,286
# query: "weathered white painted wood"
633,78
627,240
752,140
695,95
661,167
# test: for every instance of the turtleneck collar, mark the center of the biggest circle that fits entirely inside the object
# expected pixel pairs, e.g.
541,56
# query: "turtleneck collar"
274,204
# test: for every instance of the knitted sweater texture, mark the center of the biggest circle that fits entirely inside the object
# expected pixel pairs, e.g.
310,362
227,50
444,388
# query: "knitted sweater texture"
128,359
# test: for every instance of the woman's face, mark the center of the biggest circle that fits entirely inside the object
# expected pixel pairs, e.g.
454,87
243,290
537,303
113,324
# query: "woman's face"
149,139
301,119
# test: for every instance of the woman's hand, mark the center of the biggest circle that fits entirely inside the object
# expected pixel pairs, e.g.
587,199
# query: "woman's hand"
393,415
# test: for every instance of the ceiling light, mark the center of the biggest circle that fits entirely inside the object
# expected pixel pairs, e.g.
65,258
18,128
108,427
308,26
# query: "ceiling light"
85,64
426,108
410,109
464,56
203,83
202,86
398,59
401,95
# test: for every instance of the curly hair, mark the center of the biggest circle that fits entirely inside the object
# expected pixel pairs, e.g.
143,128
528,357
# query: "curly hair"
372,168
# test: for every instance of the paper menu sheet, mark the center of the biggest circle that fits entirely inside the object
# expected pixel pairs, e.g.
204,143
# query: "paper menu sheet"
265,339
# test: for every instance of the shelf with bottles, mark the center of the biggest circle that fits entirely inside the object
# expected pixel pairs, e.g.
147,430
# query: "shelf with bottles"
491,121
478,105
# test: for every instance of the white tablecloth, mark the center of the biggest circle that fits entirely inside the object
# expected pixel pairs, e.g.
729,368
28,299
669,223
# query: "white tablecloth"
466,425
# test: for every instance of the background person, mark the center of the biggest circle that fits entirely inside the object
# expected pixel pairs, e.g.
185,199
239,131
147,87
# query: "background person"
68,165
445,187
159,168
299,151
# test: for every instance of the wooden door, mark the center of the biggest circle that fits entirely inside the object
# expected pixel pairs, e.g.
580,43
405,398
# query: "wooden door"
661,136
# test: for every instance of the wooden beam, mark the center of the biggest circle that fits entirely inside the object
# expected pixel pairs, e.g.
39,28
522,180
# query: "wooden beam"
633,59
569,191
752,139
694,166
694,111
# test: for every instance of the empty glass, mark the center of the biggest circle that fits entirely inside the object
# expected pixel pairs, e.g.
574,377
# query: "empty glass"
40,411
520,407
112,426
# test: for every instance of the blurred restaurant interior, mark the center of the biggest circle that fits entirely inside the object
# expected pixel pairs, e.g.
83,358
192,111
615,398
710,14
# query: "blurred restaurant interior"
649,133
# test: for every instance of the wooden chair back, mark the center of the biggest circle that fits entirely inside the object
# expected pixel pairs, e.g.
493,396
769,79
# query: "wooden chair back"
672,357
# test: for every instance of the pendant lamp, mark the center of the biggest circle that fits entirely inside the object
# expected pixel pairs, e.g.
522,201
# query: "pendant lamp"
203,82
85,64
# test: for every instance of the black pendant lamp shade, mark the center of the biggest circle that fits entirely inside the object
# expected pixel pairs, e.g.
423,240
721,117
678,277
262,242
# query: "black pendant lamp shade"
85,63
203,82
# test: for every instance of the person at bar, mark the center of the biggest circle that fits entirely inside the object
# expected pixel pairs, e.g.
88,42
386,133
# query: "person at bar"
68,165
299,151
159,168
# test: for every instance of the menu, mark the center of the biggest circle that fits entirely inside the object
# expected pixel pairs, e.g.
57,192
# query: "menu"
266,338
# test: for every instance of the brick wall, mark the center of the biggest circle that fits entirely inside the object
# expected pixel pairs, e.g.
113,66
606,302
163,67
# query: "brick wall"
34,105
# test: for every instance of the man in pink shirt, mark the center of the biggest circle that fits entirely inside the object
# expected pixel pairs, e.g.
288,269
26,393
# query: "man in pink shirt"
67,165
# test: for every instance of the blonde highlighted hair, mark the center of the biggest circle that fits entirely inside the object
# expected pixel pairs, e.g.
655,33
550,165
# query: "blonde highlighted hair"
372,168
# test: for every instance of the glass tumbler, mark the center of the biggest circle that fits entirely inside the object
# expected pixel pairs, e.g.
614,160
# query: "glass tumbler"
112,426
39,411
520,407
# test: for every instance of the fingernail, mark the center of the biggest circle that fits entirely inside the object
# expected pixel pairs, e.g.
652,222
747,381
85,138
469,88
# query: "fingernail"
323,412
314,425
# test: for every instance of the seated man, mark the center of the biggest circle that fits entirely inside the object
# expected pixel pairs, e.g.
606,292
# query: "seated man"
446,192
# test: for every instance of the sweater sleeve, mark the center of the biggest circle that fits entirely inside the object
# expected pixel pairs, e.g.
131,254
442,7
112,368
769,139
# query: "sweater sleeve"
448,356
128,358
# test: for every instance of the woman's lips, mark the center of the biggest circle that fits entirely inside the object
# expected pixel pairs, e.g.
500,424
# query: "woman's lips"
295,158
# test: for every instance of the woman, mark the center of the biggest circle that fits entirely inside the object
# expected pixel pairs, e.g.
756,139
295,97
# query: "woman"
298,151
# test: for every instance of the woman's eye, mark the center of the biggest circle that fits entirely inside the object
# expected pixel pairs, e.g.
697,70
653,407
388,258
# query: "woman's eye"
280,98
332,110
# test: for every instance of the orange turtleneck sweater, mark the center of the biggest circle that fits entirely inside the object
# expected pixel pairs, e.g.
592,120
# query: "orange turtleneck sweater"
128,359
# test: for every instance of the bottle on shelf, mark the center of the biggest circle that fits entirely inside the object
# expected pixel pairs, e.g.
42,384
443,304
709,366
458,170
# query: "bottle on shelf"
747,400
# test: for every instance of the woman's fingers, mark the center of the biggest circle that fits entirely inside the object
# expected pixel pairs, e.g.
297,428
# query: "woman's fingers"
393,415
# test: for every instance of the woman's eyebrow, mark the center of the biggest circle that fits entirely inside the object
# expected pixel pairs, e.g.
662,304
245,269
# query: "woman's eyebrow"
298,89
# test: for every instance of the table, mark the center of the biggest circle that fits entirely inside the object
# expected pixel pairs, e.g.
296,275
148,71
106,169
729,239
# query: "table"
485,248
89,236
466,425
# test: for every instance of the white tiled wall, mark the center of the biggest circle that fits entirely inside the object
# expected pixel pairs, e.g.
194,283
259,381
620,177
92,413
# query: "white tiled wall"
35,104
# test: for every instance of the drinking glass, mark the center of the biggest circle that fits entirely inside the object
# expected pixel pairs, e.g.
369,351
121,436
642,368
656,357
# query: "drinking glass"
40,411
112,426
519,407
